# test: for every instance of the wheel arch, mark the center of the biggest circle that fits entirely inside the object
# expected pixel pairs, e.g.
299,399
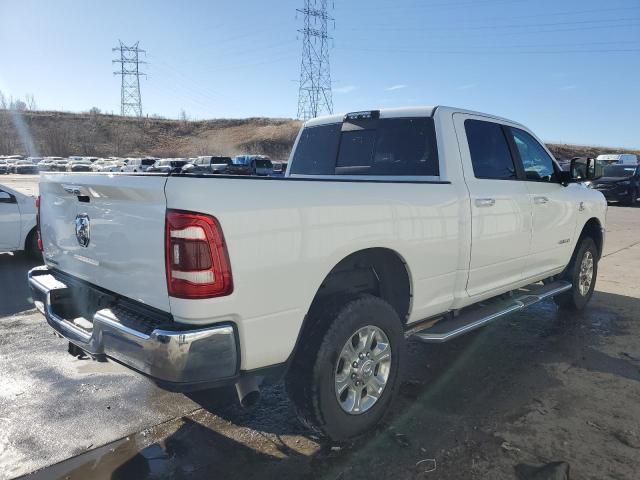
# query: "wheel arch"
592,228
380,271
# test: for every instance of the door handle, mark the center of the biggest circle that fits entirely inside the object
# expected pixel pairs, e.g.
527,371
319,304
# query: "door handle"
540,200
485,202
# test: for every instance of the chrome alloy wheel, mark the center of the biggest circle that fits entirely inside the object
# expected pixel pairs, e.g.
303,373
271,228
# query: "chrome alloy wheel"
586,273
362,370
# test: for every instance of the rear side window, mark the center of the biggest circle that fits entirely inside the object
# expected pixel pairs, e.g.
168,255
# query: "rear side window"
387,147
490,154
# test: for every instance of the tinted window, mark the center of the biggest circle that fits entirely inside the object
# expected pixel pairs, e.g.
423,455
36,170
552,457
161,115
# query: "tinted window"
406,146
356,152
490,155
393,146
538,165
316,151
148,162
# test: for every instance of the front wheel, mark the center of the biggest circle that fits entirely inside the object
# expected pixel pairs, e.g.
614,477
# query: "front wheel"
582,273
344,376
633,198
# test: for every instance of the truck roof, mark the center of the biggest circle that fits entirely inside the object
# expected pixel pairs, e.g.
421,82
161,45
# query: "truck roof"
423,111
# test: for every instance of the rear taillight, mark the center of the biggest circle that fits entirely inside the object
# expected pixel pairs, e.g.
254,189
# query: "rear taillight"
197,262
38,223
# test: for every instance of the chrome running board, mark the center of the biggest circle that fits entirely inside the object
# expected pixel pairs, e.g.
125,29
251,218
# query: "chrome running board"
474,318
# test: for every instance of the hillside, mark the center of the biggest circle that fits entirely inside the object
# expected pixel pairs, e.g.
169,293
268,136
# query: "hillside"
63,134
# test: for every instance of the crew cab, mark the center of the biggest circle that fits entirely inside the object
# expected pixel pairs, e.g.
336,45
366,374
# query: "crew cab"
423,223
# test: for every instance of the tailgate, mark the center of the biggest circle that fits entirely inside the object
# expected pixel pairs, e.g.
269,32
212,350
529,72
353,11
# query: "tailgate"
109,231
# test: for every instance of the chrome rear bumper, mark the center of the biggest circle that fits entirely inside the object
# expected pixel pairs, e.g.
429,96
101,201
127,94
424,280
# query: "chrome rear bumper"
174,357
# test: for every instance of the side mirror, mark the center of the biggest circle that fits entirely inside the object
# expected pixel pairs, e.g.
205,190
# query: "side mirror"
582,169
7,198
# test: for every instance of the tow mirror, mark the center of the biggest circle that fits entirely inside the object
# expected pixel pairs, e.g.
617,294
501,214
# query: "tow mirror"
583,169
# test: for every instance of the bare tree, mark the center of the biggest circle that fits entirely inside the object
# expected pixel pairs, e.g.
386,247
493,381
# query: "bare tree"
18,105
57,139
121,140
95,111
31,102
8,138
3,101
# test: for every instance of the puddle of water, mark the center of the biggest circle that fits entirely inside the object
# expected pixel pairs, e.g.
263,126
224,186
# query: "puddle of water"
120,460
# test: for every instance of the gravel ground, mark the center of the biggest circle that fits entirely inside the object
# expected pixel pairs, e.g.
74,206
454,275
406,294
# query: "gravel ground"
535,388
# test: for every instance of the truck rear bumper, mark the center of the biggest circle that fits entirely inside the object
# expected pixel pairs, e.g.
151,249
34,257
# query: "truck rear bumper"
174,357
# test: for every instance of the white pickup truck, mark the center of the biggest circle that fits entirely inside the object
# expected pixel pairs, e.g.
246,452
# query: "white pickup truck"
389,224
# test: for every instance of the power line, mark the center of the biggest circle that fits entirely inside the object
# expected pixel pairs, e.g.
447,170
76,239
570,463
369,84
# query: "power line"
130,99
314,94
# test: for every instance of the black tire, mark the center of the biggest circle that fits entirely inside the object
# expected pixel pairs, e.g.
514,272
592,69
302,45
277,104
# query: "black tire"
31,246
310,379
574,299
633,198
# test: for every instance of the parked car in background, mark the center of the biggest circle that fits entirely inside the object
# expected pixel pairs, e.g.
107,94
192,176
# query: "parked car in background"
97,165
11,161
618,159
24,167
168,165
91,159
137,165
208,164
34,160
79,166
46,165
59,165
3,166
18,222
279,169
250,165
619,183
240,165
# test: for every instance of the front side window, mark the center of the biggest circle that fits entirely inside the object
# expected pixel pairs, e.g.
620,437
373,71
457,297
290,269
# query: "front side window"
538,165
490,154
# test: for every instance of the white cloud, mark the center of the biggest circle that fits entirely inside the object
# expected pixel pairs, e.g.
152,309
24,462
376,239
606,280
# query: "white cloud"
345,89
467,86
395,87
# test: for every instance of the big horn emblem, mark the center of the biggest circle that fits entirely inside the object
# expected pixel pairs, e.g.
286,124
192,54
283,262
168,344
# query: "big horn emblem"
83,229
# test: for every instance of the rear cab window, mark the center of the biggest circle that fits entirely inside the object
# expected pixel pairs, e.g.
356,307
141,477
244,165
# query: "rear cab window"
403,146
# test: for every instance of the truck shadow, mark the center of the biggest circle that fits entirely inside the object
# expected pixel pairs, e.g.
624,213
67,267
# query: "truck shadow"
448,404
15,295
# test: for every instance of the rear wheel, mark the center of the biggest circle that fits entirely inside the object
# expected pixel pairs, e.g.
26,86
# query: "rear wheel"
633,197
31,246
344,376
582,273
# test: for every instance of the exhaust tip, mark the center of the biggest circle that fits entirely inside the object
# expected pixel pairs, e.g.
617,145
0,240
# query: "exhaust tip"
248,390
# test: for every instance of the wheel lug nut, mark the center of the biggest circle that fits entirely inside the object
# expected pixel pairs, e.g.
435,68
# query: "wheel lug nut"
354,364
353,376
361,355
368,354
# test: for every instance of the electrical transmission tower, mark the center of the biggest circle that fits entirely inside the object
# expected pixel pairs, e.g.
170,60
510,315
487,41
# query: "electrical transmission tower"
314,95
130,99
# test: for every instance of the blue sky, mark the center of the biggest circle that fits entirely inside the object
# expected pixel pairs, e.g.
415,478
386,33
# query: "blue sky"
568,69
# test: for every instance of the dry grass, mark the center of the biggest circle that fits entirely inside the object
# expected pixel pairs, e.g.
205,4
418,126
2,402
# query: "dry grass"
60,133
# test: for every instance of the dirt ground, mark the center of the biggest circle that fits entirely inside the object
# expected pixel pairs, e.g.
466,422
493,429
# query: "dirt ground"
535,388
